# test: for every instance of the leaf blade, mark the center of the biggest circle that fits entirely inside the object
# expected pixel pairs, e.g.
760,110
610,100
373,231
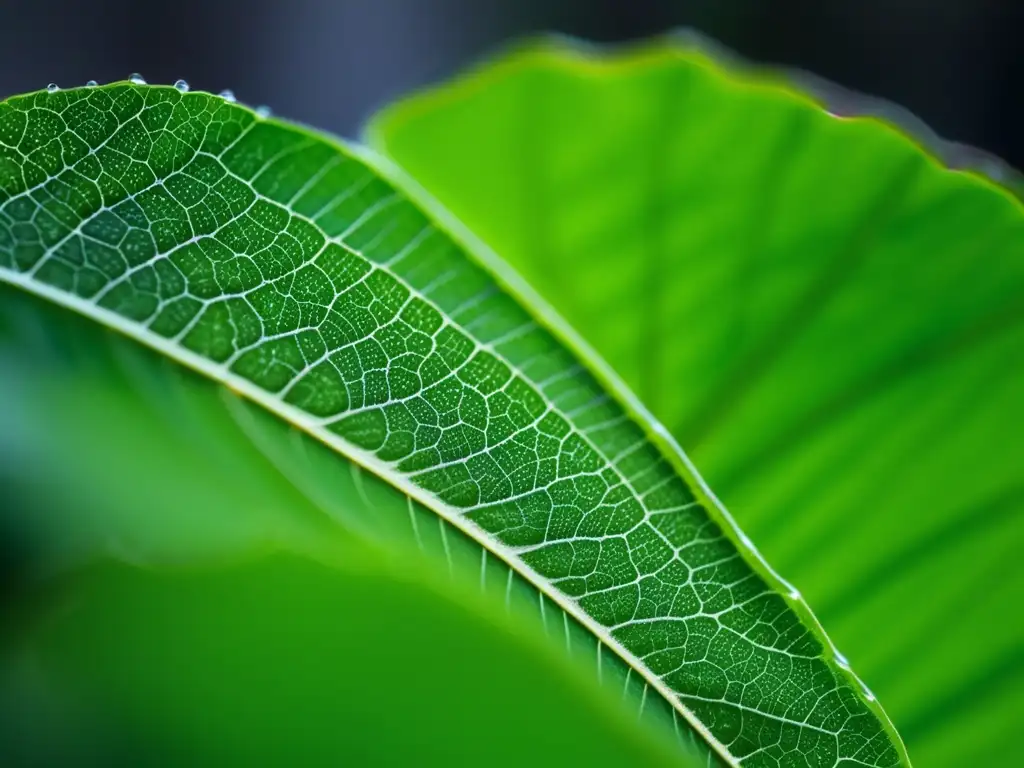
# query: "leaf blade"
302,283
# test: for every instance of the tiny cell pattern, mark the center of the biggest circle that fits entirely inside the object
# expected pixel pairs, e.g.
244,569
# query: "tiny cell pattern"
282,259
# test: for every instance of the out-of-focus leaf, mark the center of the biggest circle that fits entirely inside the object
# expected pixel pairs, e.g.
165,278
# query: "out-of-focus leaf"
282,660
829,322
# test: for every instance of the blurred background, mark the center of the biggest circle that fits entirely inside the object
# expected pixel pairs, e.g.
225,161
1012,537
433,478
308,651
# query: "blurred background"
956,64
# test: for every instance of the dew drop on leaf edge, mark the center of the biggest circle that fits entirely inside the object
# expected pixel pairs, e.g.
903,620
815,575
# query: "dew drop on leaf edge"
52,88
91,84
227,95
136,79
181,85
263,111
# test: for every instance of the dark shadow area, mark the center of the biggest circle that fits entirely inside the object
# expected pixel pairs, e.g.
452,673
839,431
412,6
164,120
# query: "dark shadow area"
954,63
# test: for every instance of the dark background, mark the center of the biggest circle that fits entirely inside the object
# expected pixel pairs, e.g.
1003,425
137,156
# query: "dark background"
956,64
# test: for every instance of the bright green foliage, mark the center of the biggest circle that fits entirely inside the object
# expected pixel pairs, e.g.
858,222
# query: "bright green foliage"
284,265
829,322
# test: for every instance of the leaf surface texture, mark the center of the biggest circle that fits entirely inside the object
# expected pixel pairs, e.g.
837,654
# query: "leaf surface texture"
289,268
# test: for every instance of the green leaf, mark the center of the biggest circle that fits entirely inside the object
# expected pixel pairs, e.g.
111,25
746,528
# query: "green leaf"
825,318
289,268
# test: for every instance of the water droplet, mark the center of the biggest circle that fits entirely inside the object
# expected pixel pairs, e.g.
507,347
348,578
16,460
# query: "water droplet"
52,88
136,79
842,660
228,95
181,85
263,111
91,84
